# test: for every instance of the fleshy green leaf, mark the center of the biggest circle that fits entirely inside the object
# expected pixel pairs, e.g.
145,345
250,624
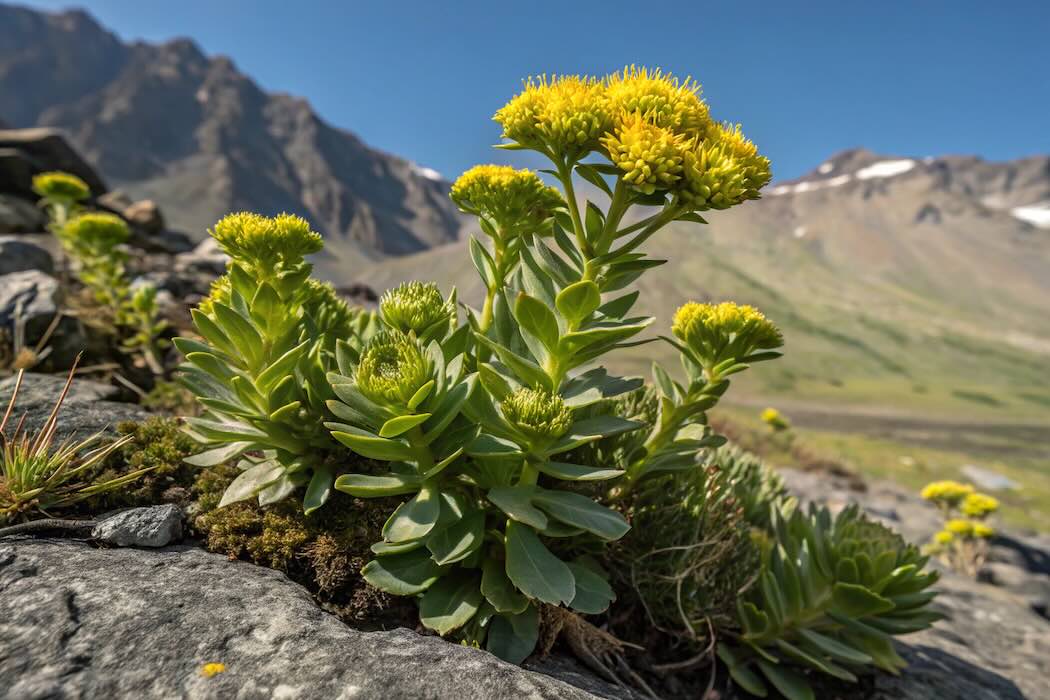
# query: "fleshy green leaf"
534,570
590,429
402,424
499,590
415,518
513,637
450,602
593,592
576,472
318,490
402,574
578,301
459,540
582,512
790,684
370,445
535,318
371,486
516,502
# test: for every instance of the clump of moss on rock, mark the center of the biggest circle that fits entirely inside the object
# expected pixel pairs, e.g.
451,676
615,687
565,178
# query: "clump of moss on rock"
156,442
323,551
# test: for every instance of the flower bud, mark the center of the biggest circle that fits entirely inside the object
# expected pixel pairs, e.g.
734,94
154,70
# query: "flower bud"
392,369
983,531
414,306
60,186
537,413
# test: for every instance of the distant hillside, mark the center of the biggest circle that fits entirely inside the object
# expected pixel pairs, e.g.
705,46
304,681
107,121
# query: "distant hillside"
899,282
167,122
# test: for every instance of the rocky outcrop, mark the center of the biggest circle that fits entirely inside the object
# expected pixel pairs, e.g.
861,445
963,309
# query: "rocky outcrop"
82,622
19,255
87,409
29,151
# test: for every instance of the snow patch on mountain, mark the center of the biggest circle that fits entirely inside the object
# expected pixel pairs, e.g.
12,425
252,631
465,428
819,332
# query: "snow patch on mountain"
428,173
1035,214
881,169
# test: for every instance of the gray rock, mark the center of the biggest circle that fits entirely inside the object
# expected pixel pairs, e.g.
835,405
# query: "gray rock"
205,258
30,299
155,526
18,215
85,411
987,479
18,255
989,648
79,622
46,149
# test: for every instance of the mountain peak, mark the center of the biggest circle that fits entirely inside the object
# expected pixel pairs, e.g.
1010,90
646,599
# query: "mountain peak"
190,131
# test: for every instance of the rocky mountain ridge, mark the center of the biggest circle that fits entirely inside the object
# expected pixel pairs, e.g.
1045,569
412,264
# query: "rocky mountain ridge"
167,122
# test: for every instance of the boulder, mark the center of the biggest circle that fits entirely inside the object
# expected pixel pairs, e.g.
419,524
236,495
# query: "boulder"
76,621
207,258
30,299
18,215
87,408
19,255
45,149
145,214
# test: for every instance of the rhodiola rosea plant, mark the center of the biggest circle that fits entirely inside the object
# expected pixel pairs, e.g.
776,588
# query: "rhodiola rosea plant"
479,421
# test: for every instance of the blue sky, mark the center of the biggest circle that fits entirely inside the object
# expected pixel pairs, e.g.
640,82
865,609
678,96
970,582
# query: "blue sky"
806,79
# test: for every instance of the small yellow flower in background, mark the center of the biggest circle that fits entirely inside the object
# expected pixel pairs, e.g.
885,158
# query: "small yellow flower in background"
61,186
978,505
983,531
959,526
774,419
212,669
96,231
948,492
649,155
943,537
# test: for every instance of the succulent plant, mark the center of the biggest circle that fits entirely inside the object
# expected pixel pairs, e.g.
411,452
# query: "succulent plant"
832,594
962,543
93,241
267,341
474,423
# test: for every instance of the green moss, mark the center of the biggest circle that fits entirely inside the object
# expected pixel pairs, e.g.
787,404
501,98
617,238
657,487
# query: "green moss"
324,551
159,443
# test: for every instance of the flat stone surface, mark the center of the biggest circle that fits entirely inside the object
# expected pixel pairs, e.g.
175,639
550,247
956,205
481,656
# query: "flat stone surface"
80,622
18,215
86,409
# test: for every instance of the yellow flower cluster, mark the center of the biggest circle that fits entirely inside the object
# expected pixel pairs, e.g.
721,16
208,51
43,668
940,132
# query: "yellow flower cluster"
213,669
943,537
61,187
959,526
774,419
725,170
97,232
258,239
663,99
948,492
564,114
649,155
712,330
652,126
514,199
537,413
978,505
